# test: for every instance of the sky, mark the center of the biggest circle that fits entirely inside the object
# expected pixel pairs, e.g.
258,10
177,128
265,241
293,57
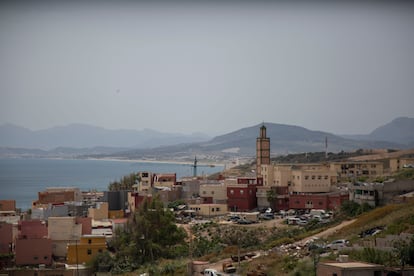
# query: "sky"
206,66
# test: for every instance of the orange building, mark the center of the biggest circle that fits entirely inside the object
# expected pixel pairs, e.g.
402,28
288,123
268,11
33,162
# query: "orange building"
86,249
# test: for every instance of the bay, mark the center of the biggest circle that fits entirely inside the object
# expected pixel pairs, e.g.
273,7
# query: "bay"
22,179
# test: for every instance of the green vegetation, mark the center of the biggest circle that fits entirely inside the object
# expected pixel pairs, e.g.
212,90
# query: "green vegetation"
316,157
353,209
125,183
149,236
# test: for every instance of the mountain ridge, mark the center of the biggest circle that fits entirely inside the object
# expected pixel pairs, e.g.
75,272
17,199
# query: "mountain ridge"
242,142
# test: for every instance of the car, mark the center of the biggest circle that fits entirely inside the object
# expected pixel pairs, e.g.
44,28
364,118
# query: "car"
267,216
337,244
244,221
211,272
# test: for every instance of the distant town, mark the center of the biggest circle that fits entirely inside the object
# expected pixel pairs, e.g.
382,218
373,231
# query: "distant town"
251,219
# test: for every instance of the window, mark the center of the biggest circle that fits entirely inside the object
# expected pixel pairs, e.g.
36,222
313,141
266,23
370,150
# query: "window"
241,192
319,177
212,209
204,192
89,241
326,177
212,192
45,257
231,191
313,177
100,250
89,251
306,177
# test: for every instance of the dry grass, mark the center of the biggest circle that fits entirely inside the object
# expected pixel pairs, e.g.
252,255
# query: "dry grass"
382,216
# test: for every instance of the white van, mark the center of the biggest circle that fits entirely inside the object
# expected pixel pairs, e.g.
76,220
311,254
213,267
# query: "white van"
211,272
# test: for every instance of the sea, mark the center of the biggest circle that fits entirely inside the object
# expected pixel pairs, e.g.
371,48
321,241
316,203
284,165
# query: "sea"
21,179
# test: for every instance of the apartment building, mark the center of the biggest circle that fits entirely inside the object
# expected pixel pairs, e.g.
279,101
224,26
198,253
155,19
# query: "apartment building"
396,164
58,195
32,246
83,251
62,230
354,169
145,182
214,193
318,179
241,196
165,180
300,178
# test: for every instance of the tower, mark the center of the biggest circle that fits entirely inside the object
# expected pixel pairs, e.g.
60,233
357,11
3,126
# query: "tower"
262,150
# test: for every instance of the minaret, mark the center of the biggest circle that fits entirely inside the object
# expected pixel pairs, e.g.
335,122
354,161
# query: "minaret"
262,150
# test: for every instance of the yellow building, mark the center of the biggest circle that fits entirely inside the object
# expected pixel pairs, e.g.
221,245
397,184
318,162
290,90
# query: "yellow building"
209,210
217,192
300,178
352,169
86,249
397,164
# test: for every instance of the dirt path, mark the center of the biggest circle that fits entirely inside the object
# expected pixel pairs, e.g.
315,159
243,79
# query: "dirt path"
327,232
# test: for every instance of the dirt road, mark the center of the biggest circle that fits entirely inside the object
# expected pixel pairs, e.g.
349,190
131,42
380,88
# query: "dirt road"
327,232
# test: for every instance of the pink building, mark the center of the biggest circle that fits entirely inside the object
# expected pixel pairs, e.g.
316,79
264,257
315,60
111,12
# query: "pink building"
86,225
33,251
32,229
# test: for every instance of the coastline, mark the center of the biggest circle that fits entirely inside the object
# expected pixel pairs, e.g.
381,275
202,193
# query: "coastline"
214,164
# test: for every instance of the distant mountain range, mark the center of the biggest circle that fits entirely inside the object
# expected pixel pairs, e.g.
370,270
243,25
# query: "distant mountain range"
82,140
86,136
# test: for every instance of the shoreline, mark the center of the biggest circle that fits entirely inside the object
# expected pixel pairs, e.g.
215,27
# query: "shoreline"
215,164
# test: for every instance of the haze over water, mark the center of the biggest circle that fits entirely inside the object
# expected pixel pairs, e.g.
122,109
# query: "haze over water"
22,179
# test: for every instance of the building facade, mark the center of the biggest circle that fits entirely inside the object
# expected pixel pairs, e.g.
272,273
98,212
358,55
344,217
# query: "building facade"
88,247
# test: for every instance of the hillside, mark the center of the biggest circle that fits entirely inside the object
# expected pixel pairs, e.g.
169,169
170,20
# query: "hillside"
400,131
86,136
283,139
90,141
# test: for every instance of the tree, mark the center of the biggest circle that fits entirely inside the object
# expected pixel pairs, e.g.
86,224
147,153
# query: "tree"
150,234
405,252
271,197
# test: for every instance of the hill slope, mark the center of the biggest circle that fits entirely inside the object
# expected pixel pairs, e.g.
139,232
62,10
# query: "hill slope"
400,131
86,136
283,138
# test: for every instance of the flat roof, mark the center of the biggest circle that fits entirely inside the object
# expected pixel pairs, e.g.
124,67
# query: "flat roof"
353,265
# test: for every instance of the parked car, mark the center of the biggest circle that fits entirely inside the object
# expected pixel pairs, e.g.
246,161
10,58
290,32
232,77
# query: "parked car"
211,272
338,244
267,216
244,221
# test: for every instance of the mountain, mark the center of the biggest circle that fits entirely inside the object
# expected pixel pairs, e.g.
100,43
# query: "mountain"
400,130
88,141
86,136
283,139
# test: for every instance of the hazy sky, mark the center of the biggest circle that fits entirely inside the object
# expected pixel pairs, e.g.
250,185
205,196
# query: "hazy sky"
206,67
